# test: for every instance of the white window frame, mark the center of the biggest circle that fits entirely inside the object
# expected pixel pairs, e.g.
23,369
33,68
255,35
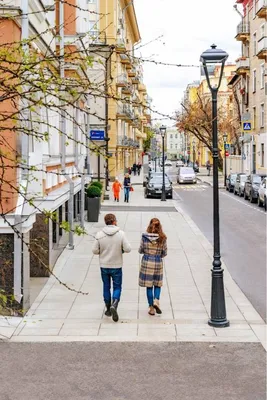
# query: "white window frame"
254,43
254,80
262,154
254,9
262,30
254,117
262,115
262,69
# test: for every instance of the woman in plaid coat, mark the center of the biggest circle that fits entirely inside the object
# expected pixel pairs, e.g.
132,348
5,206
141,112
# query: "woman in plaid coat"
153,247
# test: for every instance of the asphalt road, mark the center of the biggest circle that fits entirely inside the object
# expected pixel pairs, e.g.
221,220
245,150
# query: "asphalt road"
131,371
243,235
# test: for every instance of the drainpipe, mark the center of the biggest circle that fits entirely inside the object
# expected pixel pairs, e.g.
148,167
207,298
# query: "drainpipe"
77,165
24,173
63,128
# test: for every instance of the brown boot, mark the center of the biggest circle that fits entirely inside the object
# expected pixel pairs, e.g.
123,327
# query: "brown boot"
157,307
151,310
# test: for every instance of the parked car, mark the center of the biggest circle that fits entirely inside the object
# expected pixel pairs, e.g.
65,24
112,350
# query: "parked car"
168,163
186,175
262,194
179,163
230,182
154,187
240,184
252,186
154,174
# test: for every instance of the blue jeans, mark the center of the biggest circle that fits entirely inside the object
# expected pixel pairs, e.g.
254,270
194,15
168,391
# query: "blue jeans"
114,274
150,296
126,193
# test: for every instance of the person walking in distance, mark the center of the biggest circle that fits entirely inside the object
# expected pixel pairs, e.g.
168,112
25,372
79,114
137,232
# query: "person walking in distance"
139,166
110,244
127,186
208,167
134,168
116,188
154,248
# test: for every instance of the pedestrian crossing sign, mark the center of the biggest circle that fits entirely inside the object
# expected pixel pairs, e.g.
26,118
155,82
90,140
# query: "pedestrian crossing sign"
246,126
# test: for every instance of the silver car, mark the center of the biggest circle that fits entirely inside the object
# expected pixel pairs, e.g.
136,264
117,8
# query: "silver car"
240,184
186,175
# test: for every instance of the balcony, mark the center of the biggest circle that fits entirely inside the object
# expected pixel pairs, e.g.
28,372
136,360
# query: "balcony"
97,38
136,79
262,48
243,32
120,46
131,72
122,81
261,9
142,87
127,89
125,60
242,66
124,141
124,112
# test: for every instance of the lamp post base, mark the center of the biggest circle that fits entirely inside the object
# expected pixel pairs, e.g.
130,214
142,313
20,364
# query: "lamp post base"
219,323
163,196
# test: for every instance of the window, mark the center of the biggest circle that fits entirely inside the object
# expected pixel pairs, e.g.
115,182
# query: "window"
254,9
262,75
176,136
171,136
254,83
254,118
262,154
262,30
91,1
254,44
262,116
171,146
176,145
92,25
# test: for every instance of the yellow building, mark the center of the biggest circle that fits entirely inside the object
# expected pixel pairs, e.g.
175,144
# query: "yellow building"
128,104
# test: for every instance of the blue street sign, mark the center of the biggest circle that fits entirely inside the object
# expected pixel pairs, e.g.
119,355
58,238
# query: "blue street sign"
227,146
97,135
243,156
247,126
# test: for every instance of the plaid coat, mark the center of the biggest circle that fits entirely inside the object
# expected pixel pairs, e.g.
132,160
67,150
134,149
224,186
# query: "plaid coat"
151,271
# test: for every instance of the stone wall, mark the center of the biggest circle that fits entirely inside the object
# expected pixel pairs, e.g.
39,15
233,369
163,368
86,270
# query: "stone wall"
7,262
39,244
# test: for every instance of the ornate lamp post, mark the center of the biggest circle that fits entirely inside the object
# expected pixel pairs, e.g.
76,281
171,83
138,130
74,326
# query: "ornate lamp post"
163,133
218,319
194,151
225,166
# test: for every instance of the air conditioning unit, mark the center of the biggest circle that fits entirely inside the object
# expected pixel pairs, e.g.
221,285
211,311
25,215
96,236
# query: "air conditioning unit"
121,22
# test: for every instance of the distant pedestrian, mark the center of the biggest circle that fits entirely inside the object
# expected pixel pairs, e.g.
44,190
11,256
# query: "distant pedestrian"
110,244
139,166
127,187
130,171
116,188
208,167
153,247
134,168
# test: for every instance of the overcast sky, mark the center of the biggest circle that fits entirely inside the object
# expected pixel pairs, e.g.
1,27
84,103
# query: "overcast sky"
188,27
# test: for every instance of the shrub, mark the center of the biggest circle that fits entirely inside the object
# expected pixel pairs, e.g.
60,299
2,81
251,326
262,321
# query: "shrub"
93,191
97,184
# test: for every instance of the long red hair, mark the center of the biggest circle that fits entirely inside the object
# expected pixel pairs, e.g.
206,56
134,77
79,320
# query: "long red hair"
155,227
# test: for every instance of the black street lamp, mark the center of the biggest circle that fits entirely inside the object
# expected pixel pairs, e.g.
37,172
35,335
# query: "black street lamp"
218,319
194,151
163,133
225,166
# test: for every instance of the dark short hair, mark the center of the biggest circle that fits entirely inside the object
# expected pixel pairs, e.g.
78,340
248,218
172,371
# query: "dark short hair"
109,219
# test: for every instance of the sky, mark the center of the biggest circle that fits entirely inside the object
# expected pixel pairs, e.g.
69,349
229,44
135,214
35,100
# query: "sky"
188,27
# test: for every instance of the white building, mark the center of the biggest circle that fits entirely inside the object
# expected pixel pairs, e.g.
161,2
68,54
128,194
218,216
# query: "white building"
174,143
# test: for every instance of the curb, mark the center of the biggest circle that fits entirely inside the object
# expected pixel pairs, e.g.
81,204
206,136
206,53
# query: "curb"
210,184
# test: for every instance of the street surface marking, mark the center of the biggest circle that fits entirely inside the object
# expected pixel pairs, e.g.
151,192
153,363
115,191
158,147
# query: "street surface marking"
243,202
191,187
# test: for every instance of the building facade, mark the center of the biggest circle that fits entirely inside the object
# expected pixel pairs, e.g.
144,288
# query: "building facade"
251,70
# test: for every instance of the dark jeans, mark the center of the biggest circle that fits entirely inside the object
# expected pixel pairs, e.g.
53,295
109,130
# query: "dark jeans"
114,274
150,296
126,193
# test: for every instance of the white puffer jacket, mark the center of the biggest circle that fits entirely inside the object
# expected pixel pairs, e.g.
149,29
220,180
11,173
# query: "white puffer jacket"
110,244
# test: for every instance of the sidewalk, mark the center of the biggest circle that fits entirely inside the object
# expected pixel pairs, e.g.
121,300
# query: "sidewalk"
202,176
60,315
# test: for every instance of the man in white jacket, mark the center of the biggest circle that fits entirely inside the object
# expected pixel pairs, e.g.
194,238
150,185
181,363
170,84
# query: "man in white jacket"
110,244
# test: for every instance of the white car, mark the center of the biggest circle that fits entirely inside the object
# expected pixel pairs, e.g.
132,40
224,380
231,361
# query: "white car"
179,163
168,163
186,175
262,194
